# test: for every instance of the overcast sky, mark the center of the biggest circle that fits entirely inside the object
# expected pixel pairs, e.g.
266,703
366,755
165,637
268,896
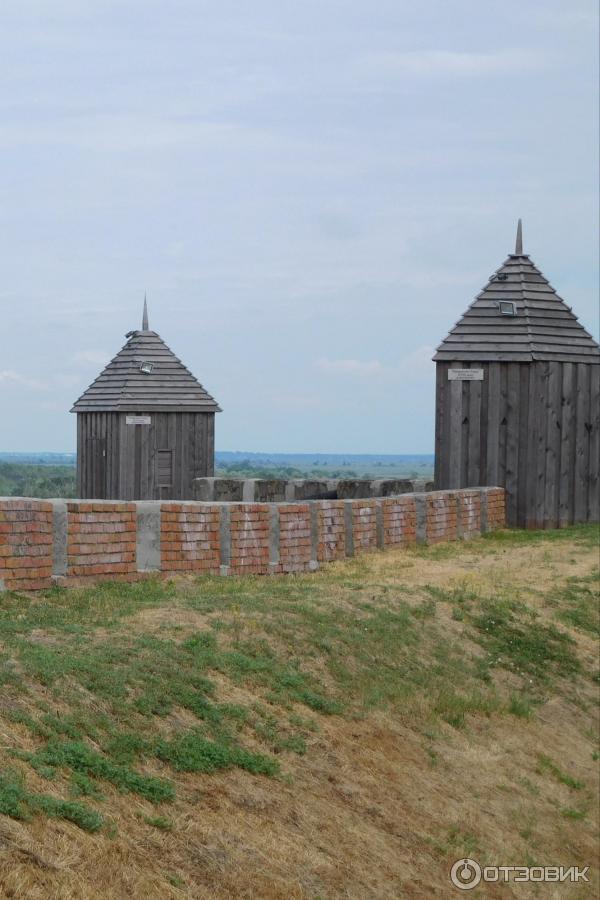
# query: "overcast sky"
310,191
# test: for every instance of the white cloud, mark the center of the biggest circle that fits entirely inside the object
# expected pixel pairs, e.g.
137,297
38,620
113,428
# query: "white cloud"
435,63
91,357
52,406
418,363
9,376
413,367
290,400
350,366
66,381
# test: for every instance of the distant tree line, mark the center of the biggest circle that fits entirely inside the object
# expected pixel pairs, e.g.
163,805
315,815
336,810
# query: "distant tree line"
22,480
27,480
247,469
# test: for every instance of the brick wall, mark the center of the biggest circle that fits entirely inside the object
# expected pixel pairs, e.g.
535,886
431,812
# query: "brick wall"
295,542
399,521
25,544
250,528
496,508
364,521
331,530
441,517
101,539
470,513
91,540
189,537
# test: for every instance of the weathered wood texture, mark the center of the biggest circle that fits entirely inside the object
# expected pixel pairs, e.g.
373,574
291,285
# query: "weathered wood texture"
532,428
145,374
159,461
531,425
145,426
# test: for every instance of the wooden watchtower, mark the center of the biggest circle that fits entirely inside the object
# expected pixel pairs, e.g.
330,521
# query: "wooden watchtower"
517,400
145,426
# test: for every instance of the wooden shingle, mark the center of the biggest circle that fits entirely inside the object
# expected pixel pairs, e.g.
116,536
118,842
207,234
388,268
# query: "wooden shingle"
544,328
146,375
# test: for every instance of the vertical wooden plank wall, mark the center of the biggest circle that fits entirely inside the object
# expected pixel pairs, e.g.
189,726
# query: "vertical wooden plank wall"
127,471
582,446
455,417
513,426
439,473
567,445
594,466
537,471
530,427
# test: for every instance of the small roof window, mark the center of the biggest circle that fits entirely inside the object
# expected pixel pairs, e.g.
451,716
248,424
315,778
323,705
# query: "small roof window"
146,367
507,308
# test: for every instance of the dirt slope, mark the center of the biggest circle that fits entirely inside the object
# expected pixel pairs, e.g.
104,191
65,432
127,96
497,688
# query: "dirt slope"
345,734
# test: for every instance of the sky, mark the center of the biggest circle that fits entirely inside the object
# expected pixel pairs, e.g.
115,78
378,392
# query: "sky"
311,194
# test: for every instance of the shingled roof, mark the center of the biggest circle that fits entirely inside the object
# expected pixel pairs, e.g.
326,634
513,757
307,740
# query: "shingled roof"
543,327
145,376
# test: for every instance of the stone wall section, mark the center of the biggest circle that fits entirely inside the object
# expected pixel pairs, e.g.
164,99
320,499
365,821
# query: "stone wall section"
70,541
101,539
364,521
442,517
331,527
295,538
469,514
25,544
399,521
250,528
496,508
189,537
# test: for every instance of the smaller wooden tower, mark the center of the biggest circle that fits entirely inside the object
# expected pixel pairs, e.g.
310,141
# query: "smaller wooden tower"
517,400
145,426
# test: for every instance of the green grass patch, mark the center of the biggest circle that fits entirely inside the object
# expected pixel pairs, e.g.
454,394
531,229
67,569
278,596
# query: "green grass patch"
577,603
192,752
521,705
159,822
524,645
545,764
571,812
294,649
80,758
19,803
586,535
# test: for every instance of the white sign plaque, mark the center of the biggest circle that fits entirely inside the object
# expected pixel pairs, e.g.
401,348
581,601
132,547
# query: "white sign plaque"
465,374
138,420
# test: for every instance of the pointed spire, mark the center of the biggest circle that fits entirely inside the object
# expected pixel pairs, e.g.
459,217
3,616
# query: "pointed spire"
145,316
519,241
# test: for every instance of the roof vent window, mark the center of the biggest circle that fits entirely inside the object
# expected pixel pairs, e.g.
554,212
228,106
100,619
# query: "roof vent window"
146,368
507,308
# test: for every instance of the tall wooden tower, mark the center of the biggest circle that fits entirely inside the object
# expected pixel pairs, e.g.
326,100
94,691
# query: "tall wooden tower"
517,400
145,427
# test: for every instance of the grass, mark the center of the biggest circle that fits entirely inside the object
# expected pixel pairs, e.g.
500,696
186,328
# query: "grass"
83,760
579,535
576,603
545,764
524,645
145,691
387,649
19,803
159,822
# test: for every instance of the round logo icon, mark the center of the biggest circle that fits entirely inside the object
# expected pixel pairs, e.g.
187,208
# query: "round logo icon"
465,874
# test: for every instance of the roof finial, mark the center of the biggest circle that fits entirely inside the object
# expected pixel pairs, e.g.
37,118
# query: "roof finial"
519,241
145,315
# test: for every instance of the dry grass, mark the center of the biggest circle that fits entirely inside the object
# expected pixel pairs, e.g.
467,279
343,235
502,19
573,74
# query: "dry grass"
387,793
